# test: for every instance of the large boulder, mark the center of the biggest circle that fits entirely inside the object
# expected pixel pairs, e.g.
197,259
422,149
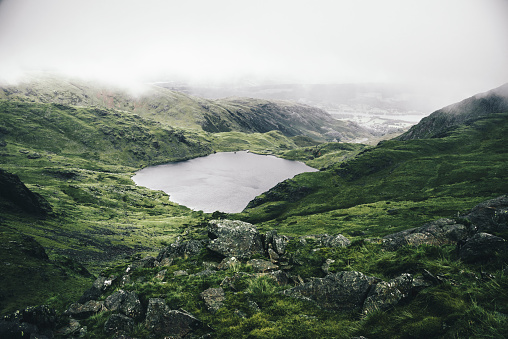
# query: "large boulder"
126,302
180,249
482,246
344,291
234,238
164,322
490,216
118,324
437,233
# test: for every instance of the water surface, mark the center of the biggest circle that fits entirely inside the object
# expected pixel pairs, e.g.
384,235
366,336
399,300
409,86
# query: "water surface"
223,182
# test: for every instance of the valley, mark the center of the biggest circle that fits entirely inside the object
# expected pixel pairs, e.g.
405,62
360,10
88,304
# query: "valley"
72,216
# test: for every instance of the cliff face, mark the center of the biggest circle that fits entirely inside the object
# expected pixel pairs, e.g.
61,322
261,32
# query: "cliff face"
441,122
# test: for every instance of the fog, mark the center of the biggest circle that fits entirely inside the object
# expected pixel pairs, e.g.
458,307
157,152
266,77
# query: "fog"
445,49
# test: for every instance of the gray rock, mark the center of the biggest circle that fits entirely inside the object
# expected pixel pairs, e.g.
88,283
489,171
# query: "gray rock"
326,266
437,233
126,302
83,311
490,216
482,246
345,291
214,298
335,241
180,273
234,238
260,265
279,243
162,321
118,324
71,329
161,275
99,287
228,262
385,295
180,249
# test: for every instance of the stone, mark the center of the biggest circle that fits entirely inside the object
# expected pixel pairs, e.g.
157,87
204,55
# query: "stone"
343,291
83,311
234,238
161,275
214,298
71,329
180,273
126,302
228,262
165,262
279,243
180,249
490,216
162,321
260,265
335,241
118,324
32,322
436,233
326,266
481,247
385,295
99,287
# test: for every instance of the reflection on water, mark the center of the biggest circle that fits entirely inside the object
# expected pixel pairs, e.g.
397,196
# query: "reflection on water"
223,182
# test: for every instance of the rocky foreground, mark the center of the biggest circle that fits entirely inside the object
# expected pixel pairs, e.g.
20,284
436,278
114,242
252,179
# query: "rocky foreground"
238,244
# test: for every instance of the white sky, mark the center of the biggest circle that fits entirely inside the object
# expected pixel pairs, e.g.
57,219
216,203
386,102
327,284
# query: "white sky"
457,47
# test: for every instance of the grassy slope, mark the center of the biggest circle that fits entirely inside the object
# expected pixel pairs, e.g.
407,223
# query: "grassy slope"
81,161
398,184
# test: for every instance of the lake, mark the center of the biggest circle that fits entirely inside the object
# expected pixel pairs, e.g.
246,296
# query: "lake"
223,182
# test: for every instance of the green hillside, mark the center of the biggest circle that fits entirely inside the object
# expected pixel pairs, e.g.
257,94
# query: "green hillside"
318,266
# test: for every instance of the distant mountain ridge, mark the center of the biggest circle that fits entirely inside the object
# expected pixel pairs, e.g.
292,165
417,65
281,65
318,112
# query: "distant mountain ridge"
181,110
442,122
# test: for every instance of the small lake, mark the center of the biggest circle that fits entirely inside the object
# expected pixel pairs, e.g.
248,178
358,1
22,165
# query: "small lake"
223,182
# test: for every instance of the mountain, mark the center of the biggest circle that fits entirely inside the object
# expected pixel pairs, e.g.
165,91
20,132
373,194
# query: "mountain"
442,122
181,110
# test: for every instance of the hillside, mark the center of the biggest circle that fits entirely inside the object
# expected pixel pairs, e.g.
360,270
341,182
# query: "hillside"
359,248
180,110
443,121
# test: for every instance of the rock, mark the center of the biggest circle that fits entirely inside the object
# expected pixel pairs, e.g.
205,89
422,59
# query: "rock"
162,321
147,262
233,238
161,275
385,295
180,249
36,322
344,291
229,262
437,233
99,287
210,265
260,265
214,298
335,241
274,257
229,282
80,311
118,324
482,246
71,329
490,216
180,273
165,262
126,302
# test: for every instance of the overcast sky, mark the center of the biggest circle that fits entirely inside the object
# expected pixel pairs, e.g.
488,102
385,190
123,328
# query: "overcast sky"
458,47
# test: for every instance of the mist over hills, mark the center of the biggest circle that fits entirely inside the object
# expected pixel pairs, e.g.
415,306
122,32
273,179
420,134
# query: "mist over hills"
443,121
181,110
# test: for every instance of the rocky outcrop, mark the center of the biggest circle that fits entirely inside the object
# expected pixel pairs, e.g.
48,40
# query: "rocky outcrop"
490,216
233,238
180,249
260,265
162,321
439,232
326,240
126,302
481,247
118,324
83,311
342,291
385,295
32,322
